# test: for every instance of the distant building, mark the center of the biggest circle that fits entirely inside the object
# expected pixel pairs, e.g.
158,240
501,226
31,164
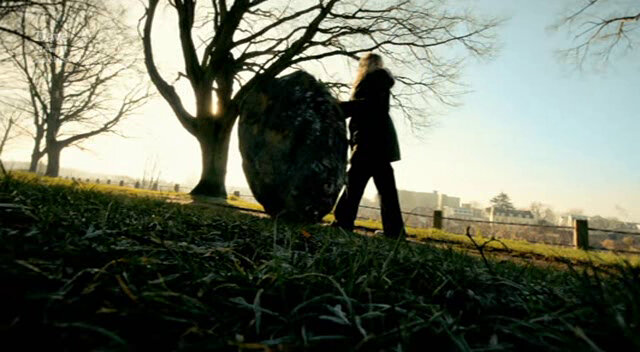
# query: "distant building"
567,220
510,215
447,201
460,213
410,200
632,226
480,214
465,212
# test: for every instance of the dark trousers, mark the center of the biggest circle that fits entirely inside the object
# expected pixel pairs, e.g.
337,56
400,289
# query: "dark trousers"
357,178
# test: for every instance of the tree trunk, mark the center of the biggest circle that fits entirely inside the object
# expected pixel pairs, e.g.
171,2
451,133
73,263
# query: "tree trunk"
53,162
35,158
5,138
37,154
214,136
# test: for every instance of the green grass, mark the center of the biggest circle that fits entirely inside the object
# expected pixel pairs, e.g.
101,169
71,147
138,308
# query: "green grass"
546,252
83,269
514,247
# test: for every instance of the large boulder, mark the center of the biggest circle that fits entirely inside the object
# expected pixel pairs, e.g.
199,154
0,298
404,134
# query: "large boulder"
294,148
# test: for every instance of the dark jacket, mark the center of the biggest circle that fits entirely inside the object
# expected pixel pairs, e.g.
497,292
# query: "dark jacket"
373,136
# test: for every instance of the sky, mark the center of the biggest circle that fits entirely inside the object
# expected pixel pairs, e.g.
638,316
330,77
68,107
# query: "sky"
532,126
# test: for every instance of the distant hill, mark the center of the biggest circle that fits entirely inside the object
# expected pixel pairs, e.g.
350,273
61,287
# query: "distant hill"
163,185
69,172
88,176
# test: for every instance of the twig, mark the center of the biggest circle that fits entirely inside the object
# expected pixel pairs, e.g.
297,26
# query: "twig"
480,248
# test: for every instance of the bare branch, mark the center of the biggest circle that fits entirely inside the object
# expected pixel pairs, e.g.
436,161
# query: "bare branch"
246,43
599,31
72,100
167,91
131,103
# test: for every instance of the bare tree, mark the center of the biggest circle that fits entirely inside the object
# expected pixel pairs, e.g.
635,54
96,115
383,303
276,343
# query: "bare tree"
249,42
151,173
8,128
600,29
12,9
8,124
543,213
74,84
6,131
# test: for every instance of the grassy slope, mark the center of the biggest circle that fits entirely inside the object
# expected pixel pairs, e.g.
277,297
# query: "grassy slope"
515,247
82,269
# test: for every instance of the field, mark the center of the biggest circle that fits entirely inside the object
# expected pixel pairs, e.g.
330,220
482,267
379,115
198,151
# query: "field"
98,268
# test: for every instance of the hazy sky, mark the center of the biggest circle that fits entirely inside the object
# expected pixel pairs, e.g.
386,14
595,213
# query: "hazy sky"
533,127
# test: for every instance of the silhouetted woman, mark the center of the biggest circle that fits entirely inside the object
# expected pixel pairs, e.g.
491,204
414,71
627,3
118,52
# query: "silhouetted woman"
374,146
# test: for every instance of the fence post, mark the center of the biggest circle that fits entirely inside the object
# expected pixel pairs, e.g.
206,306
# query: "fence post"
137,184
237,194
109,182
176,188
155,186
121,183
581,234
437,219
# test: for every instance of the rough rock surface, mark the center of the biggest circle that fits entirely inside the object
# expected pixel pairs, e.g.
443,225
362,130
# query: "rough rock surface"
293,143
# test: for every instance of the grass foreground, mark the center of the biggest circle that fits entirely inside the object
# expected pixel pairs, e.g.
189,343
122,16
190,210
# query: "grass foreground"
82,269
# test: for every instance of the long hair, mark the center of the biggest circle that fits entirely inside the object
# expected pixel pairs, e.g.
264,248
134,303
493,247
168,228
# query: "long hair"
368,63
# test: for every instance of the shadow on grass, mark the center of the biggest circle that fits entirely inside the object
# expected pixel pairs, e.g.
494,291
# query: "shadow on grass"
85,270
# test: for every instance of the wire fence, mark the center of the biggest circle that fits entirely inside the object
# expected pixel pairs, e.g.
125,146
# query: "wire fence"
138,184
562,236
623,232
612,239
605,239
